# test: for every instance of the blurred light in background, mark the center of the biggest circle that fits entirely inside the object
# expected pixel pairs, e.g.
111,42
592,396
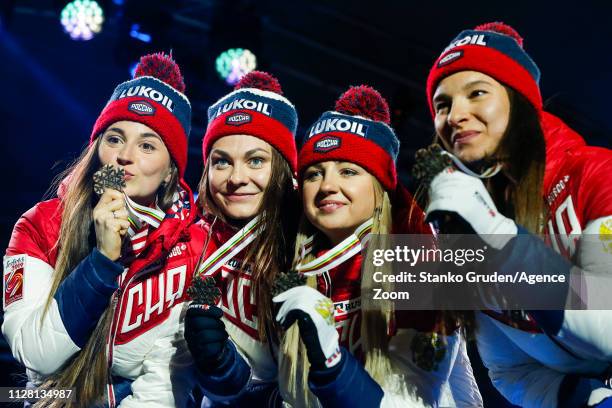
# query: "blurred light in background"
82,19
136,33
234,63
133,66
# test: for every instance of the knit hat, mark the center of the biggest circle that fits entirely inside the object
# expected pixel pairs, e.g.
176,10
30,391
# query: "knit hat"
257,108
357,131
155,97
494,49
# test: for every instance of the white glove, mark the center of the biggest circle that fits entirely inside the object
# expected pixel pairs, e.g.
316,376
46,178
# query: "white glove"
467,196
315,316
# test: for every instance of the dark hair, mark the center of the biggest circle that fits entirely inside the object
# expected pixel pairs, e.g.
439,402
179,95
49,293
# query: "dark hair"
522,149
272,251
517,191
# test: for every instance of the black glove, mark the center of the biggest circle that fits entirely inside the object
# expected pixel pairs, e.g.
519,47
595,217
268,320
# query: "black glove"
206,337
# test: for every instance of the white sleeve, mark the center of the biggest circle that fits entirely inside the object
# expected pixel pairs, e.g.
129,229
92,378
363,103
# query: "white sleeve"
168,374
590,330
521,379
432,387
40,347
462,382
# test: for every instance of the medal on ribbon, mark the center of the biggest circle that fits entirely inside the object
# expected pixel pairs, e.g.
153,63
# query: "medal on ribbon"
108,176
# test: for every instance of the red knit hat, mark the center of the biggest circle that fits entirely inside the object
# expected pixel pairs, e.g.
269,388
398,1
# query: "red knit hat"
357,132
257,108
495,49
155,97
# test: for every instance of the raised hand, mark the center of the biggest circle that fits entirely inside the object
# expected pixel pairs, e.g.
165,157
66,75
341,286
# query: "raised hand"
111,223
457,192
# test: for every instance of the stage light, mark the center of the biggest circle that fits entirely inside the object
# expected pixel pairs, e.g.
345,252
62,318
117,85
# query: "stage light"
133,67
234,63
139,35
82,19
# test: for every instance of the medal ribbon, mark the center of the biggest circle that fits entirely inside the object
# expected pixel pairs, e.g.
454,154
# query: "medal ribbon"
139,214
232,247
488,173
338,254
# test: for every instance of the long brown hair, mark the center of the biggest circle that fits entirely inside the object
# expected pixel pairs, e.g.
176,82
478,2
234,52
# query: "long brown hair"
271,252
523,151
87,371
518,190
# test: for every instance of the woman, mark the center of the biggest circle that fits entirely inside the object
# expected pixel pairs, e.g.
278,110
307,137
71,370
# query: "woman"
484,96
98,283
249,203
358,348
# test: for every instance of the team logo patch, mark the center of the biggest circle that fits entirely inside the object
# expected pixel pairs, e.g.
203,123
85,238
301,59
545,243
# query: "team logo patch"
327,144
142,108
605,235
238,119
13,278
325,308
450,57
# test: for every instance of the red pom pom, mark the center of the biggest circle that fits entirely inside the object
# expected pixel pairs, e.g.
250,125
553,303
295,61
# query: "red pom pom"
260,80
501,28
364,101
162,67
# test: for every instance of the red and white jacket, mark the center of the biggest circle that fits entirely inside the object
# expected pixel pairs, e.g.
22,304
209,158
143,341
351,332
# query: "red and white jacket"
526,364
145,344
452,383
239,304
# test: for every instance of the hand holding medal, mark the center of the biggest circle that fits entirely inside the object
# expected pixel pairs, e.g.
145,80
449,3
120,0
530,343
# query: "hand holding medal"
205,332
110,214
287,280
430,162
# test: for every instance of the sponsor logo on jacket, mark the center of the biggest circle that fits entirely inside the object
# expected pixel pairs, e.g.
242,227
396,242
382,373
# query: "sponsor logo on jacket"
557,189
347,306
13,279
148,92
177,250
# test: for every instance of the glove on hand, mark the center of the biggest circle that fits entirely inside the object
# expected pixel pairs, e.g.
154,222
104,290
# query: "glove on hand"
315,316
206,336
465,195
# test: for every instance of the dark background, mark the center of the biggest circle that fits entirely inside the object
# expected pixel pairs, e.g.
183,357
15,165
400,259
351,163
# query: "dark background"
53,88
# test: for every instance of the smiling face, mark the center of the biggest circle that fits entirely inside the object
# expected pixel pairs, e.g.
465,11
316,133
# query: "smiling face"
338,197
239,172
472,114
140,151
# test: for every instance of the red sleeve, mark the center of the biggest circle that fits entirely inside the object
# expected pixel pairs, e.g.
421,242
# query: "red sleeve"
37,231
595,188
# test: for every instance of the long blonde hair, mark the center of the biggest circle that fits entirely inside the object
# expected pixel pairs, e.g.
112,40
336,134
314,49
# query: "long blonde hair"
87,371
376,318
